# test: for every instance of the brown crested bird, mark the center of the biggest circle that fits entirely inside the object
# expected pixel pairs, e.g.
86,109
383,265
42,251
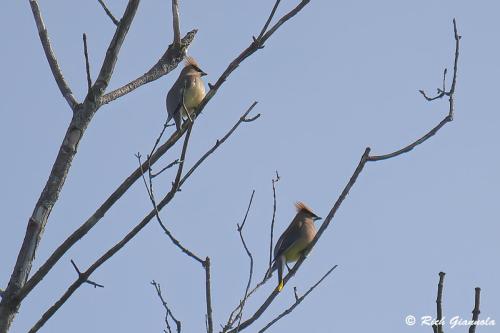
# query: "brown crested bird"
294,241
186,93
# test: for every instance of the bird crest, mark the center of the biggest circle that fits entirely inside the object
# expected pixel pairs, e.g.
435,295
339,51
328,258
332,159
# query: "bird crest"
303,207
191,61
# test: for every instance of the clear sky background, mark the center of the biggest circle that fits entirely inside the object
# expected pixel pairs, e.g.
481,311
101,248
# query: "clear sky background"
340,76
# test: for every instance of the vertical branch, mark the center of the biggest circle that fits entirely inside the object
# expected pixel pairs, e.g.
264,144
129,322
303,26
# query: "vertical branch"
475,311
175,22
438,328
274,181
208,295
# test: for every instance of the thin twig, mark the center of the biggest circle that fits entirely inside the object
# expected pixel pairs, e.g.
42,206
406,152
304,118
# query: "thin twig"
175,22
249,254
168,166
175,188
51,58
475,311
451,101
80,274
274,181
298,300
178,324
87,64
108,12
218,143
264,28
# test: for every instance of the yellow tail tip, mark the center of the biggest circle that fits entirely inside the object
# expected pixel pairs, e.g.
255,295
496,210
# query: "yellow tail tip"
280,286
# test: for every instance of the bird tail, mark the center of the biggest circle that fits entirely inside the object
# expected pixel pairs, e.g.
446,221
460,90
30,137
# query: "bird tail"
277,264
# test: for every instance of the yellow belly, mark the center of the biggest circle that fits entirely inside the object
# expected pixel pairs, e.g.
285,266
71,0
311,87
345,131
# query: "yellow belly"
295,251
193,97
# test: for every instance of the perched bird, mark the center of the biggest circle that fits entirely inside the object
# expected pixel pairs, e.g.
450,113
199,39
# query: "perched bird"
186,93
294,241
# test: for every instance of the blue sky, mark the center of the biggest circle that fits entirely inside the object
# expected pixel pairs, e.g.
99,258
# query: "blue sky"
338,77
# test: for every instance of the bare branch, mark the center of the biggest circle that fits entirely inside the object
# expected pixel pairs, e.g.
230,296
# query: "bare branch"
168,166
87,280
264,28
250,274
475,311
175,188
167,63
438,328
87,65
443,92
108,12
408,148
251,49
298,300
208,295
274,181
114,47
217,144
169,313
175,22
51,58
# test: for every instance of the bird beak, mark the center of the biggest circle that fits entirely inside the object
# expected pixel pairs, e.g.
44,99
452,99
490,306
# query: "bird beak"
317,218
203,73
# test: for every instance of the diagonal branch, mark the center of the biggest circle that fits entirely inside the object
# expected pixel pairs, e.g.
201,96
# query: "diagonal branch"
51,58
108,12
111,57
167,63
87,64
298,300
132,233
169,313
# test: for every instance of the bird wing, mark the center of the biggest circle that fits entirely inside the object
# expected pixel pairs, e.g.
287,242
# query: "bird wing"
175,98
287,239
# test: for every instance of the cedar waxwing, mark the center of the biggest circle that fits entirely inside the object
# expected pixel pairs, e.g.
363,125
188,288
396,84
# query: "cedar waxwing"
186,93
294,241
